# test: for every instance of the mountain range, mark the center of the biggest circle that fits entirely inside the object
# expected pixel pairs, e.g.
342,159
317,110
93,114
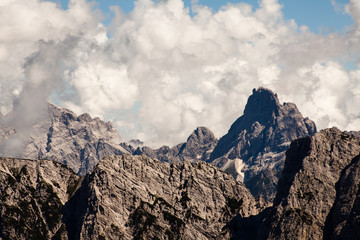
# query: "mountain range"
76,141
272,176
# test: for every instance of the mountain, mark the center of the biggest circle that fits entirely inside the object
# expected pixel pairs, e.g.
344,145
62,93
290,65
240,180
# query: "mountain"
254,148
32,194
343,221
317,195
136,197
197,147
77,141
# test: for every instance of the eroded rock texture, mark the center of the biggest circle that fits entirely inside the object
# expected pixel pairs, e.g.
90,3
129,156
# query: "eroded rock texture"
32,194
318,192
198,147
135,197
259,139
76,141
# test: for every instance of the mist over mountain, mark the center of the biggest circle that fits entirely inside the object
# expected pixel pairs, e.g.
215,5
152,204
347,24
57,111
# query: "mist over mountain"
174,192
79,142
210,157
166,63
253,150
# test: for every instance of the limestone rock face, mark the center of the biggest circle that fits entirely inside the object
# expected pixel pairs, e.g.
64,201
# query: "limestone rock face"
32,194
77,141
343,222
318,192
198,147
259,139
135,197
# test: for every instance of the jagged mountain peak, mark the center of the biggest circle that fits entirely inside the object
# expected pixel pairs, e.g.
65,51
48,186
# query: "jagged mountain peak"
64,115
262,102
77,141
256,142
202,135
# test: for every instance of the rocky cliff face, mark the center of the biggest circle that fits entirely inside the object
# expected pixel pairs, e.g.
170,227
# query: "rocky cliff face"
77,141
254,147
32,194
343,222
318,192
198,147
135,197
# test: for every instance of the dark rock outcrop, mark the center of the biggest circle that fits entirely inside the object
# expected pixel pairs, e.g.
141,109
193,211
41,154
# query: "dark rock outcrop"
255,145
343,222
317,194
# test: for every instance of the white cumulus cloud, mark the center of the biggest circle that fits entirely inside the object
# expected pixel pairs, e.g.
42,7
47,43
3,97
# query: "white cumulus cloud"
160,72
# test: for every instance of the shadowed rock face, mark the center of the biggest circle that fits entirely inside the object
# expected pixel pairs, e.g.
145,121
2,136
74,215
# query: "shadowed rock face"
260,138
32,194
343,222
77,141
318,192
138,197
198,147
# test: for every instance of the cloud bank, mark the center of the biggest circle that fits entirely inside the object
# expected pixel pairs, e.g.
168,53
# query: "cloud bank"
158,72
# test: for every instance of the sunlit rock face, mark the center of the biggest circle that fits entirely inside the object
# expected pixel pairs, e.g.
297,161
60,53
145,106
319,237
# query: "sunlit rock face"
260,139
79,142
136,197
32,194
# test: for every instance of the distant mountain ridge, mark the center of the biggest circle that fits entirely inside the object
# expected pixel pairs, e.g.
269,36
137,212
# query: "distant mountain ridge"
252,151
79,142
198,147
254,148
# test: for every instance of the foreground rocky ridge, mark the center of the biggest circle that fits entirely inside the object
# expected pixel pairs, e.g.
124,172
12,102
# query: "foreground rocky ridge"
136,197
143,198
317,195
32,196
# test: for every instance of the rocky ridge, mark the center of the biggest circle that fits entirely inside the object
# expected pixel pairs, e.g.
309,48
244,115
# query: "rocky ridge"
317,195
136,197
76,141
32,196
254,148
197,147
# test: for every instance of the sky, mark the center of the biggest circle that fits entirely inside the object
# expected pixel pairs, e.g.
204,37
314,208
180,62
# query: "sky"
159,69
